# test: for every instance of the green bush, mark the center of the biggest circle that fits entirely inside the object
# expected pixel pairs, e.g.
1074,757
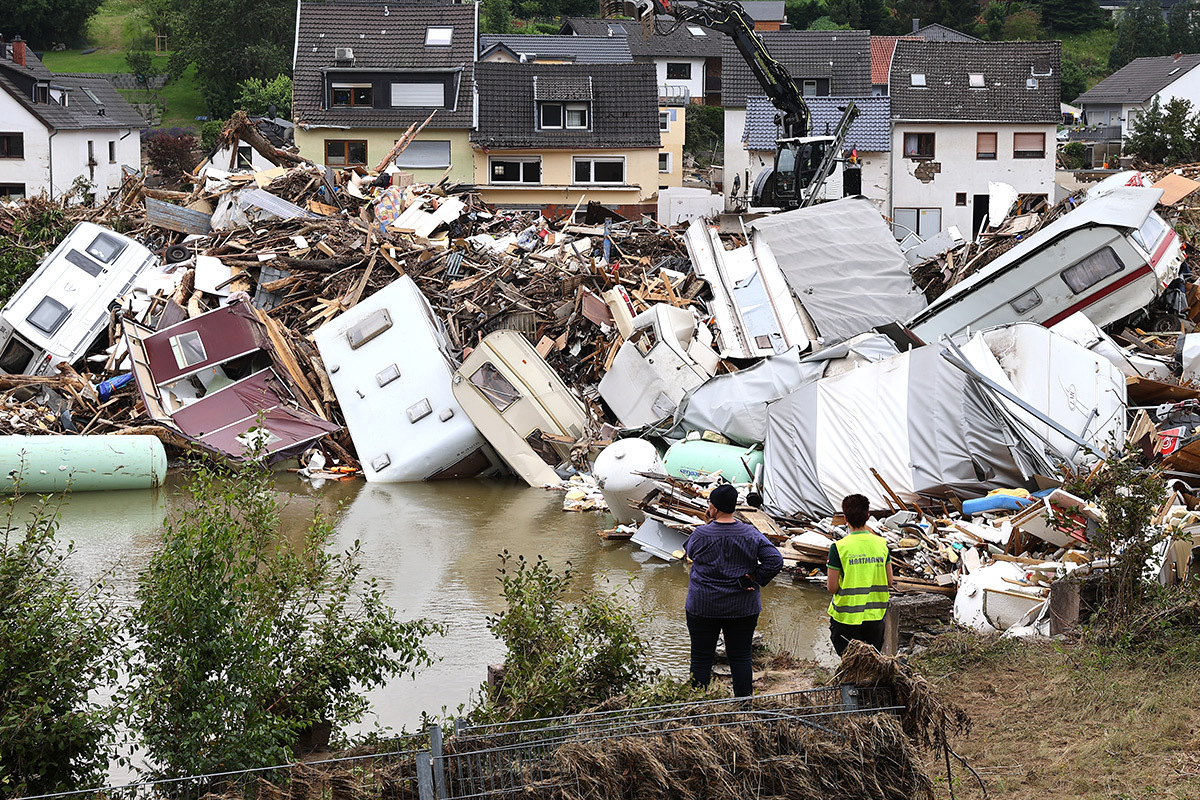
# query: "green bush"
37,229
210,132
1073,155
704,136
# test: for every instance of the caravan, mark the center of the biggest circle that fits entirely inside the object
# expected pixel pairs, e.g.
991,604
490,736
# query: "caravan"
57,314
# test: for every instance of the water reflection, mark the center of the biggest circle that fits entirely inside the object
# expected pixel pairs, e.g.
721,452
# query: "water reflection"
433,549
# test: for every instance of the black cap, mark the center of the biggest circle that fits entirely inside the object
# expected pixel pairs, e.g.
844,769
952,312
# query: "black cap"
724,498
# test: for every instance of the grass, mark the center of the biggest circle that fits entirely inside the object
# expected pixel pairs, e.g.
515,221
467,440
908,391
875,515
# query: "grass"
1090,51
111,31
1071,721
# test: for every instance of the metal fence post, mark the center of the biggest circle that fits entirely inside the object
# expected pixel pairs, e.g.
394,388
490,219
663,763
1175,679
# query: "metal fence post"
849,697
439,763
425,775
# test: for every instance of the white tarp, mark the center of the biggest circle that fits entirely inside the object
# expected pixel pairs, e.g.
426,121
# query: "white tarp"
844,264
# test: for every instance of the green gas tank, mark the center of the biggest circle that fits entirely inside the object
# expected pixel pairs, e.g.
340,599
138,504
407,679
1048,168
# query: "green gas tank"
46,464
696,458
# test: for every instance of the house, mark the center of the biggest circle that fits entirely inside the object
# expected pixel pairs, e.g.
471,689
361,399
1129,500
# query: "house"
965,114
768,15
553,134
686,57
1112,105
276,130
363,72
869,139
822,64
526,48
57,129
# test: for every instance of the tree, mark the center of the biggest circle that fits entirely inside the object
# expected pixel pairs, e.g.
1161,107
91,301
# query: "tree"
1073,81
172,152
140,63
1071,16
1183,27
1146,138
57,643
229,41
1022,25
244,641
495,17
42,23
961,15
802,13
845,12
1141,32
256,97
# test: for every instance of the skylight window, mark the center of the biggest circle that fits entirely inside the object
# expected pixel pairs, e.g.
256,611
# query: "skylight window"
918,79
976,80
1031,83
438,36
91,95
1172,72
696,30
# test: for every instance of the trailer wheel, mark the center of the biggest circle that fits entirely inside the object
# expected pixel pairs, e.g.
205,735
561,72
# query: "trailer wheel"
176,253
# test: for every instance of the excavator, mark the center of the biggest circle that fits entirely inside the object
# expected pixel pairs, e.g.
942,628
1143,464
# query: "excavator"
802,162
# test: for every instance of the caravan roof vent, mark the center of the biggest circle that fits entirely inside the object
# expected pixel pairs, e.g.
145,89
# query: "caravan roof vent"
343,56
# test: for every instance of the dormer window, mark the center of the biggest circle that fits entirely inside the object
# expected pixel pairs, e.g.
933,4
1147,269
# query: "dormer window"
438,36
975,80
557,116
41,93
918,78
351,95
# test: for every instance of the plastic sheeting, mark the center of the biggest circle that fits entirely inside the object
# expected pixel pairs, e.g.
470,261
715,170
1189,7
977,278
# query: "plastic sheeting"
844,264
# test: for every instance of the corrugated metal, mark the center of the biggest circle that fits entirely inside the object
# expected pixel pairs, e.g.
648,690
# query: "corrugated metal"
177,218
264,200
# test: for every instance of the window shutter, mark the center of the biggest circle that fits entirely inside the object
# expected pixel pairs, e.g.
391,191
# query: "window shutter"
1025,142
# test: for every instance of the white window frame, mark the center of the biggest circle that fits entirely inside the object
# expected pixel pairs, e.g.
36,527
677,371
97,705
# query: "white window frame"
666,171
434,34
591,170
517,159
664,121
809,89
566,109
917,79
403,86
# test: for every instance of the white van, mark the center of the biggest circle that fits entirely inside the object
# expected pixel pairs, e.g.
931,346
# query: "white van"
1108,258
57,314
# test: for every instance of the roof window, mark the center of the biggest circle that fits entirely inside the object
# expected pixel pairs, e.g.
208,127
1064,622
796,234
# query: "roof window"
696,30
1172,72
918,79
1031,83
975,79
438,36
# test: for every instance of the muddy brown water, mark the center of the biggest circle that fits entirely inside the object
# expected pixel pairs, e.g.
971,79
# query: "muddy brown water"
434,550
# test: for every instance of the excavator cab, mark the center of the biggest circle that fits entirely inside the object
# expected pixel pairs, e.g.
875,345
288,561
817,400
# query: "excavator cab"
797,162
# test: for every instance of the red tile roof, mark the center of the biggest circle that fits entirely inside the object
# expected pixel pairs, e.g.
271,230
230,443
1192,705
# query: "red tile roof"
881,58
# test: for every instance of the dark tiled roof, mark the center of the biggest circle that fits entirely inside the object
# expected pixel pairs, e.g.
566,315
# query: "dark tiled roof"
562,87
806,54
871,131
624,105
1140,79
87,97
578,49
679,42
1007,68
386,37
938,32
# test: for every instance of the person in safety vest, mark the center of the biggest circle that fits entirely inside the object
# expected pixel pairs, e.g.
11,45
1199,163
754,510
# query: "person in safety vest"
860,579
731,562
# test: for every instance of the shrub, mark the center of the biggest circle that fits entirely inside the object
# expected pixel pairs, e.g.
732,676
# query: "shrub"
210,132
1073,155
172,152
141,63
256,97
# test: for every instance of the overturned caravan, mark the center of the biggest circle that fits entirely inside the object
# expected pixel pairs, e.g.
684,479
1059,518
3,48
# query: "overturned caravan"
1009,404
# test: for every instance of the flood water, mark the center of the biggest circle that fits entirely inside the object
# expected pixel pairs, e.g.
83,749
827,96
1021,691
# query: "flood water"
434,550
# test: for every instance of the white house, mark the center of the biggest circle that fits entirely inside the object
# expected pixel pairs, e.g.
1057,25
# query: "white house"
56,128
1112,105
965,114
279,132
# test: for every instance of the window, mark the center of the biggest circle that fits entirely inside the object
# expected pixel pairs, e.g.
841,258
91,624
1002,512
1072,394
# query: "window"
105,248
188,349
425,154
696,30
91,153
1031,83
555,116
345,152
494,386
515,170
1026,302
960,198
679,72
438,36
48,316
918,145
387,375
1151,233
375,323
84,263
924,222
12,191
245,156
16,357
975,80
810,89
112,152
420,94
1087,273
349,95
664,162
1029,145
918,78
985,146
664,120
599,170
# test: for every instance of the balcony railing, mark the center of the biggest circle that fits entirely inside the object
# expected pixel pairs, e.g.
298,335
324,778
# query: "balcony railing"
1098,133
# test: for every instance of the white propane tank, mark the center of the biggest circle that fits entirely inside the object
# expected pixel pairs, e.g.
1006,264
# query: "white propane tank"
615,470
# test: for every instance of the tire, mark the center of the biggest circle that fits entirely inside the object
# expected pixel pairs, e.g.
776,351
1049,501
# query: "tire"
176,253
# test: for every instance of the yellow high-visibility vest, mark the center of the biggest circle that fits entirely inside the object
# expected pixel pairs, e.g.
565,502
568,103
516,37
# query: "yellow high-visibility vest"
862,594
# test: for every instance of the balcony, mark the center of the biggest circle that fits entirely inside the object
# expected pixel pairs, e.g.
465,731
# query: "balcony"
669,95
1098,133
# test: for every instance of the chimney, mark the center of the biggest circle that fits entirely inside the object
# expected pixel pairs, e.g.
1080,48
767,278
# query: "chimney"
18,56
916,24
1177,56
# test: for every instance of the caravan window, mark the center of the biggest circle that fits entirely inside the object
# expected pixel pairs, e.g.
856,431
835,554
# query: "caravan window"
376,323
84,263
1091,270
1150,233
49,316
105,248
16,357
188,349
495,387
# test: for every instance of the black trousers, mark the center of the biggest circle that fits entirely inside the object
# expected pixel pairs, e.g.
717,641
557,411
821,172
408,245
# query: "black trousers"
739,636
841,634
